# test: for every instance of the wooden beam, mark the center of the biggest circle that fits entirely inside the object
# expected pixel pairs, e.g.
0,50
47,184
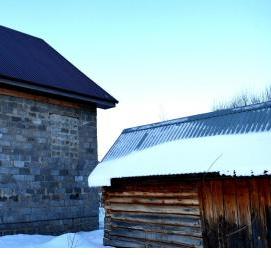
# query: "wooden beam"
40,98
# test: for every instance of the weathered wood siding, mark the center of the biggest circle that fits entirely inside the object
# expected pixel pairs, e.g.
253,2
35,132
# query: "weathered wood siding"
207,211
152,213
236,212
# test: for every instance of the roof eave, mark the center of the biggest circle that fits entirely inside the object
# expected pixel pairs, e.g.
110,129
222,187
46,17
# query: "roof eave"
100,103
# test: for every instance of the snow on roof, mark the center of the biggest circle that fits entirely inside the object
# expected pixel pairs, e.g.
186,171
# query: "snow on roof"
249,119
230,142
241,155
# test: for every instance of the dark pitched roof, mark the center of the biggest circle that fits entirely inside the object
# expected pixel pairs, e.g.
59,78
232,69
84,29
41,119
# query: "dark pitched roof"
25,59
248,119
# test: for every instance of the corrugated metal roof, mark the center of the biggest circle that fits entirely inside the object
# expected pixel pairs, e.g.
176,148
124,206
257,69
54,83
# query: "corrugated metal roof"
249,119
225,155
30,59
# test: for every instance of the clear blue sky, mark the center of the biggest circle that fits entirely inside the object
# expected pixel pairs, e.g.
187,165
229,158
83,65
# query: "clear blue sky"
162,58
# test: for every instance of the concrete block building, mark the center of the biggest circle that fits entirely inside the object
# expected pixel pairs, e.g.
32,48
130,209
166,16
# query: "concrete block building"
48,139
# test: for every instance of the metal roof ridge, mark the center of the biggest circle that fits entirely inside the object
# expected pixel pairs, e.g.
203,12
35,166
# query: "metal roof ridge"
200,116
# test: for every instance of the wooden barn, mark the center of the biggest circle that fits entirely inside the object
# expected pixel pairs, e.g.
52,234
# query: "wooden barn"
199,181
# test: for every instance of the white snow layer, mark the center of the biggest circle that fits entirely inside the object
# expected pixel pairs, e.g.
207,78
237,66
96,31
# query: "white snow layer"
240,155
92,239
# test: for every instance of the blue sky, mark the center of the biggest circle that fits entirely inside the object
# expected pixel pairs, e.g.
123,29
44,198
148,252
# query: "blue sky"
160,59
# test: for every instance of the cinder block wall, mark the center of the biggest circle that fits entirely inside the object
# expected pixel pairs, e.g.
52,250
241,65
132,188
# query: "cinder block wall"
46,154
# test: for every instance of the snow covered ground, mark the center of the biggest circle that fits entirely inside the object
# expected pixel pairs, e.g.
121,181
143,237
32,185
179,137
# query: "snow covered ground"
92,239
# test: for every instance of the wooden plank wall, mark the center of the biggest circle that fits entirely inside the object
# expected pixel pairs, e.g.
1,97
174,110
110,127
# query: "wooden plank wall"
152,213
236,212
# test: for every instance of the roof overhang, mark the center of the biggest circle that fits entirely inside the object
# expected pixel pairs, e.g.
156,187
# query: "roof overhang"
27,86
